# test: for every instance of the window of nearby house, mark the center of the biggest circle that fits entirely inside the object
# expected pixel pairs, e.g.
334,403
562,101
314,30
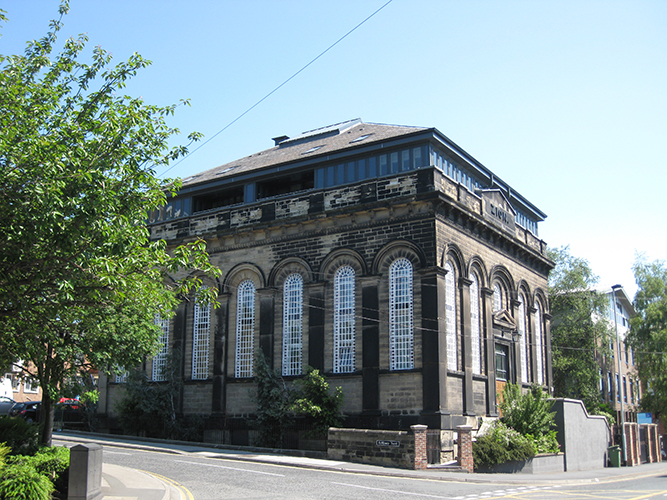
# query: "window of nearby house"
292,324
618,389
625,391
450,305
344,320
475,326
538,343
523,341
610,387
245,328
401,341
502,363
160,359
30,385
201,334
632,392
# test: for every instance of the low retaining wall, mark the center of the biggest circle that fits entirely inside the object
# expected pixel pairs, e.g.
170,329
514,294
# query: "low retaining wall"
391,448
539,464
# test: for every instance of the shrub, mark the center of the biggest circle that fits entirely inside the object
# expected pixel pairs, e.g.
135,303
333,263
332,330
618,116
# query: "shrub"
526,413
273,408
4,451
320,406
21,436
23,482
501,444
546,443
53,463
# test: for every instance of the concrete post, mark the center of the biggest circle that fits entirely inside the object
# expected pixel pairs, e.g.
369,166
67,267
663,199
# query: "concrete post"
85,472
465,459
421,458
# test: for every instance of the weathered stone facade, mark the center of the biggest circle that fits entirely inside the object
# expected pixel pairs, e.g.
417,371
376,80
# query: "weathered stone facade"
475,281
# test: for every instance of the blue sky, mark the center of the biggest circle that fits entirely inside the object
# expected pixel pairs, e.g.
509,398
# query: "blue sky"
564,100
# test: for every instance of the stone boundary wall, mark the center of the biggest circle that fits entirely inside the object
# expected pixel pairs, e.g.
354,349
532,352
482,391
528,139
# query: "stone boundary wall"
404,449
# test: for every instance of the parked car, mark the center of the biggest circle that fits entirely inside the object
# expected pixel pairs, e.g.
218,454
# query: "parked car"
6,405
69,414
29,411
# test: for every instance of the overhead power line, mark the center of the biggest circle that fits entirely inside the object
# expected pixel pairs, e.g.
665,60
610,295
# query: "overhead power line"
276,89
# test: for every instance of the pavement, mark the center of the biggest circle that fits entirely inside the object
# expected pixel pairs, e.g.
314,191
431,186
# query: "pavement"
122,483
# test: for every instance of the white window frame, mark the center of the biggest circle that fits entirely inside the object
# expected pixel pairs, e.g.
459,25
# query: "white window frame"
344,320
401,317
245,329
450,318
292,325
475,324
160,359
201,340
30,385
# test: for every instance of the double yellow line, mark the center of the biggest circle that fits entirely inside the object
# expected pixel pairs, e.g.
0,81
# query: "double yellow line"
182,490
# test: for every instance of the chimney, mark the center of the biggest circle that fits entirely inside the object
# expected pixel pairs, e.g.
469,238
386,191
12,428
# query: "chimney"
279,139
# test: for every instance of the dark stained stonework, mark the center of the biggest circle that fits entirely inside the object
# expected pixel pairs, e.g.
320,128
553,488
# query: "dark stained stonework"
339,208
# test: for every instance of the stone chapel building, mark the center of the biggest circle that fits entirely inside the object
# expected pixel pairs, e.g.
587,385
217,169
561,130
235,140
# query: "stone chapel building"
386,256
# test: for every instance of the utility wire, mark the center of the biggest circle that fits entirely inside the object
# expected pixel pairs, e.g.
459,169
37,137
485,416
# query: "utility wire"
275,90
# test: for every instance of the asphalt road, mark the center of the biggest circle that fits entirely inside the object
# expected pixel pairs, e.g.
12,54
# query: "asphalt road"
212,479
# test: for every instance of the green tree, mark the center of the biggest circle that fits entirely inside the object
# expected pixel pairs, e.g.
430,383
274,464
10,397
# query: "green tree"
648,333
579,331
81,281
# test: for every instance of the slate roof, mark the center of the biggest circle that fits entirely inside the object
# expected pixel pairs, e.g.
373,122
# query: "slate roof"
312,144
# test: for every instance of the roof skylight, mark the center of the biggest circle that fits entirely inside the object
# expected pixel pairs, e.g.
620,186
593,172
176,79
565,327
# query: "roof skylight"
313,149
360,138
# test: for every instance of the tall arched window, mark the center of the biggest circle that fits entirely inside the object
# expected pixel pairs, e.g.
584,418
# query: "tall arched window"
201,333
450,305
344,320
497,297
401,338
292,324
523,341
245,329
475,328
538,343
160,359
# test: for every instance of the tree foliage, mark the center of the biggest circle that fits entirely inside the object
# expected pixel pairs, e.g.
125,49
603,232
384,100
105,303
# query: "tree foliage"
648,333
318,403
273,415
80,279
578,328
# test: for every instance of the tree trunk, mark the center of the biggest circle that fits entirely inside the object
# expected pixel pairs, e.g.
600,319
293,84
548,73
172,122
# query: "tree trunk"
46,415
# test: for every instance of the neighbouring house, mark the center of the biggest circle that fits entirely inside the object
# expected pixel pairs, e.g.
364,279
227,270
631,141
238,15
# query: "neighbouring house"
24,388
386,256
620,386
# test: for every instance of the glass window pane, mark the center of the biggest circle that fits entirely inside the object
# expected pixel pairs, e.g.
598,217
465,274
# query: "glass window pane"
405,160
383,165
394,163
